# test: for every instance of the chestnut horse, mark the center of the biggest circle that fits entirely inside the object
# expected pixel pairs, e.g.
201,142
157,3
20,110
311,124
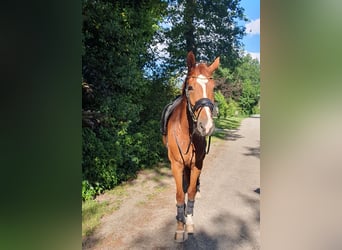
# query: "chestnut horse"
185,138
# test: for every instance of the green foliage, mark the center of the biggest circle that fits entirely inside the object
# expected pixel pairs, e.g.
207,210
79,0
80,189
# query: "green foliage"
233,108
256,109
121,135
249,98
113,156
116,36
240,87
248,71
128,139
208,28
88,191
228,108
222,104
224,73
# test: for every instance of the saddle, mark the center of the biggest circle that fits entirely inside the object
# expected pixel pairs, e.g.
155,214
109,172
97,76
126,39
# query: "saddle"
167,111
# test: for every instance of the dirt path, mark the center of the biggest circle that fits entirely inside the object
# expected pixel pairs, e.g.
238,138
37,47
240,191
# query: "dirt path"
226,216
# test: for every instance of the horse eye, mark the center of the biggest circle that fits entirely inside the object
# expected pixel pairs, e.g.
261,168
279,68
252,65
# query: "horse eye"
190,88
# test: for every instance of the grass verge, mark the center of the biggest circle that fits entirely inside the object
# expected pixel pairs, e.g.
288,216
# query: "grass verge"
111,200
224,124
94,210
228,123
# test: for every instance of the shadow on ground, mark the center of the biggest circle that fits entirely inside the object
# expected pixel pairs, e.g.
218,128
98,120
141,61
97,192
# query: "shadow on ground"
253,151
223,230
229,135
157,174
221,237
253,203
229,232
89,242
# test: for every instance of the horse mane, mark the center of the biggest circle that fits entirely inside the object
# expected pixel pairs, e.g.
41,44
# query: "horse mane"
184,86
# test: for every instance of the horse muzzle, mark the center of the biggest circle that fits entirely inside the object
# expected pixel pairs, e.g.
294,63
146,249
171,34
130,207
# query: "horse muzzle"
205,124
205,127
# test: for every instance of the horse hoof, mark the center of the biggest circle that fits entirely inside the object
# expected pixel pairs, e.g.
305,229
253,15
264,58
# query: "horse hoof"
190,228
189,224
181,236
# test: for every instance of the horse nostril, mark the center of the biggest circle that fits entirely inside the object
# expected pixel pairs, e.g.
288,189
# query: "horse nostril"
201,126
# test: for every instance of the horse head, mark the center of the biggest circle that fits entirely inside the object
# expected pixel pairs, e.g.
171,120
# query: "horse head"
199,91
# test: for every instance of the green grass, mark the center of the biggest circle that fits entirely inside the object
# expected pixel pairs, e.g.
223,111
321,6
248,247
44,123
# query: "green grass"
228,123
156,190
93,210
225,124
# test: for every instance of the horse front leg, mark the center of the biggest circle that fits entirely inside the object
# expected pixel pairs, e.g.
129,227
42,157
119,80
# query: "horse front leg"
177,171
195,173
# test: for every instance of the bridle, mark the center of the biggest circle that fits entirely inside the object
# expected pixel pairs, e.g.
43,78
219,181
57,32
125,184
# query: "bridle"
199,105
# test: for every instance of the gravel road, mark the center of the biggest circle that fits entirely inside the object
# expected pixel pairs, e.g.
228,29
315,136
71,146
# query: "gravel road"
226,216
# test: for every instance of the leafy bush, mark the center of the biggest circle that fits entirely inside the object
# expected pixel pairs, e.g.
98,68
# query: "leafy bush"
99,166
241,85
256,109
222,104
88,191
249,98
115,155
233,108
226,109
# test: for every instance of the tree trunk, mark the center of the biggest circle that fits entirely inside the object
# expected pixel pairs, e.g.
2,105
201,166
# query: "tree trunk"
189,16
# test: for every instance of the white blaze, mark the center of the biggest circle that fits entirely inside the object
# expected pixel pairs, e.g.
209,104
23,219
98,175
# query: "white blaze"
202,80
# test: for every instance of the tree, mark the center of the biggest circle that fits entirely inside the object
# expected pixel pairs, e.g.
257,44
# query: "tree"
116,35
248,73
242,85
226,84
118,139
249,97
208,28
248,70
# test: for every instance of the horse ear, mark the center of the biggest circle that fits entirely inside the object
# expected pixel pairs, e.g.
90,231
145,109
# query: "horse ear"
214,65
190,60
